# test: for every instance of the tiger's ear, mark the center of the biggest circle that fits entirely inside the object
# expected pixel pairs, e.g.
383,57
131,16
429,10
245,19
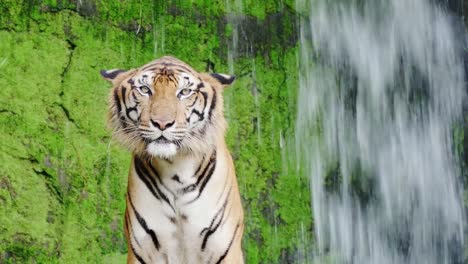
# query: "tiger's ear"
111,75
224,79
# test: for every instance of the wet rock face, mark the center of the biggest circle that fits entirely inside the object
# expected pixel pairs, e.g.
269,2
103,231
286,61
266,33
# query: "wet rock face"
261,36
458,7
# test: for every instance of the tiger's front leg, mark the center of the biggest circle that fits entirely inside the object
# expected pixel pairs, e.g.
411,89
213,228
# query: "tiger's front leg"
149,229
235,254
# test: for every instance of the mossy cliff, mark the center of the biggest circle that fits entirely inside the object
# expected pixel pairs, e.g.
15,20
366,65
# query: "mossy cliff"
62,177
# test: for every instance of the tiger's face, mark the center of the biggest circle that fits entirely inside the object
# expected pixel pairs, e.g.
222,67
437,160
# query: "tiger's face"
166,107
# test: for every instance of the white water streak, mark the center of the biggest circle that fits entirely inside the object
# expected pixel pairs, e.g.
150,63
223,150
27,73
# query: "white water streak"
381,105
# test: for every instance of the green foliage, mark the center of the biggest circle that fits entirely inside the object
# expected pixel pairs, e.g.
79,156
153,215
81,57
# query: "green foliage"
260,109
63,180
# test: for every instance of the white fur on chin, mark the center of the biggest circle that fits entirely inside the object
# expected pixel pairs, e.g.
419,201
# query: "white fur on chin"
162,150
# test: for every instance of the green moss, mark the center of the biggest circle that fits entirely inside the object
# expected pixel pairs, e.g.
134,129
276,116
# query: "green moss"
64,179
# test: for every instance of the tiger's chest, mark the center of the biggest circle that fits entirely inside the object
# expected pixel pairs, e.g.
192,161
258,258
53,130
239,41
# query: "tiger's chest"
180,177
180,210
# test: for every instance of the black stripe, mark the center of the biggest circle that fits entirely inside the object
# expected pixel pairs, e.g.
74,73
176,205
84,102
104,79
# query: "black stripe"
127,223
160,66
200,85
199,166
138,257
200,115
210,162
155,66
127,227
213,104
194,101
123,122
147,68
205,96
124,93
173,78
117,101
229,247
131,235
135,98
205,176
144,225
210,230
144,177
184,68
154,171
156,174
128,110
146,173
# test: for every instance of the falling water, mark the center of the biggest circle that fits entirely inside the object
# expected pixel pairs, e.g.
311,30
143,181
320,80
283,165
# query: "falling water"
234,19
381,87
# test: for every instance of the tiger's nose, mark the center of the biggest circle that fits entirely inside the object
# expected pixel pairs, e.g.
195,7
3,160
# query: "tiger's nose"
162,124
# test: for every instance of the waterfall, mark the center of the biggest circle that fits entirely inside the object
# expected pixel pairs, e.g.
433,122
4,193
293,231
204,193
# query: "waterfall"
381,88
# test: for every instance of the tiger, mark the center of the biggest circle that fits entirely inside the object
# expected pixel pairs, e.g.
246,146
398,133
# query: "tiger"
182,203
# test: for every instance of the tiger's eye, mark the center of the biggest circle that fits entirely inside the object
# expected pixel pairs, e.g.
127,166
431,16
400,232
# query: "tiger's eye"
145,89
185,91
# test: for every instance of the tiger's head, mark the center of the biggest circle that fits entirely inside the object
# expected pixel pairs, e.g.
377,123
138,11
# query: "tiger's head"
166,107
